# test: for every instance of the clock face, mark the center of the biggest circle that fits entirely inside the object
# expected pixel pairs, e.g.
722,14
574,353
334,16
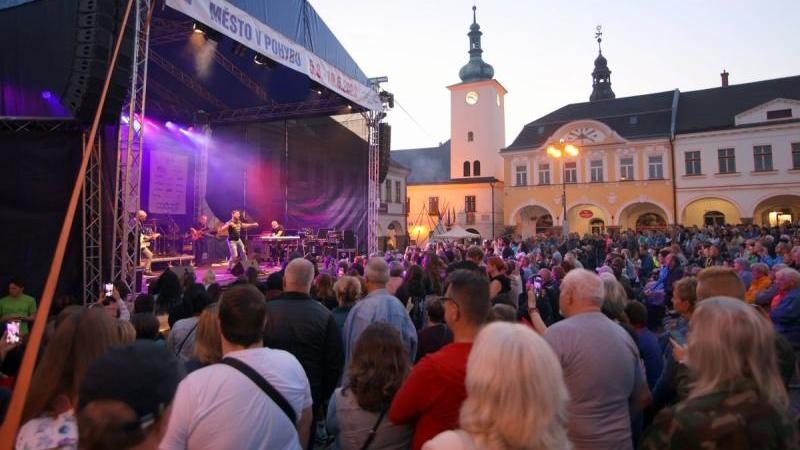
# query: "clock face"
471,98
583,134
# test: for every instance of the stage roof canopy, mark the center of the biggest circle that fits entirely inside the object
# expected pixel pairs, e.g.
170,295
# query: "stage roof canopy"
302,69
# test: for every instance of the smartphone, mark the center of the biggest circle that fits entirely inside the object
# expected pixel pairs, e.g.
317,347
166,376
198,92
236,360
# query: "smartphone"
109,287
678,337
12,332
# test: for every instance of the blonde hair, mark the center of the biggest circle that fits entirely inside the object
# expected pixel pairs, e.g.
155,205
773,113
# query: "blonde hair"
207,342
127,332
615,299
730,340
499,410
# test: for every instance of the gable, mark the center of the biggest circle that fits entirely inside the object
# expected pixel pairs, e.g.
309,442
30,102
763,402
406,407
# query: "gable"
778,109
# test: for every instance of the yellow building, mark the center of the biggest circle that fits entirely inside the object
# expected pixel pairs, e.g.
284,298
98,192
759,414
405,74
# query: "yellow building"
620,178
461,181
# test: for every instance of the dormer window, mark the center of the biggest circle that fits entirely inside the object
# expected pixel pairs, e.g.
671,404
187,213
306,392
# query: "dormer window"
779,114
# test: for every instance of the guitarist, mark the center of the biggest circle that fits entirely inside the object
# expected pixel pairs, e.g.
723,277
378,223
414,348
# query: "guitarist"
199,239
146,235
234,227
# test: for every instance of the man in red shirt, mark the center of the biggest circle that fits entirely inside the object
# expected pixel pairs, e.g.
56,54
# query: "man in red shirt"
431,397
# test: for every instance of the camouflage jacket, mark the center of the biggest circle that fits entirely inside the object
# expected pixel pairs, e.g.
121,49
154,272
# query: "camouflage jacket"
737,419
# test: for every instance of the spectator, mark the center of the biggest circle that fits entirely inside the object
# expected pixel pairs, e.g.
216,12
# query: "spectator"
144,303
323,290
209,278
127,333
501,414
647,342
436,335
500,284
207,344
592,350
219,407
473,261
348,291
738,399
378,368
274,285
764,298
501,313
516,282
716,281
432,395
18,306
180,340
618,267
81,336
395,277
549,293
785,307
146,326
378,306
760,281
306,329
742,268
615,299
214,292
125,397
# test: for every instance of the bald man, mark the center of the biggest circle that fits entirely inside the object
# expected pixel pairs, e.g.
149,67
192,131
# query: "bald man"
601,366
306,329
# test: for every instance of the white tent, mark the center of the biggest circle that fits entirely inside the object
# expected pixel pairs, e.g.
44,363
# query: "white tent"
456,232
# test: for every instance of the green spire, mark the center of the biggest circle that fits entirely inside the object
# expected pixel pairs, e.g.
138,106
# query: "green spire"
476,69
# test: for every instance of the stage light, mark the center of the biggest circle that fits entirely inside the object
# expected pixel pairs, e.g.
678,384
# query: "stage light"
263,61
137,126
46,95
190,129
124,119
169,125
198,27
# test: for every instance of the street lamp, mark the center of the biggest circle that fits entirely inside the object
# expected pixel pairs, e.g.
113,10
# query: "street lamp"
563,151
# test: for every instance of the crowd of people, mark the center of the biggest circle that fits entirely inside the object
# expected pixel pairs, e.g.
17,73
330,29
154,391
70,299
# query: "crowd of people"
685,339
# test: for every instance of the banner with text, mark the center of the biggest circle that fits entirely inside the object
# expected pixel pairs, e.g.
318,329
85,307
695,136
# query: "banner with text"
247,30
169,174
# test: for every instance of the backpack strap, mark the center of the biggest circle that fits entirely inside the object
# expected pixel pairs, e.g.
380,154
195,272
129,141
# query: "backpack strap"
265,386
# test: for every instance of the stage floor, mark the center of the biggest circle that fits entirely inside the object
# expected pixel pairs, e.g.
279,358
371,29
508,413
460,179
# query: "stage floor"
220,270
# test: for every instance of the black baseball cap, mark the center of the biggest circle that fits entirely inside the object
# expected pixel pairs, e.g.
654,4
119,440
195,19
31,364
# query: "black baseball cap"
143,375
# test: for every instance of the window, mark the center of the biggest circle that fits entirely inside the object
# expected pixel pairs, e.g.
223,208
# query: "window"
476,168
796,155
544,173
655,167
692,163
470,136
714,218
433,206
762,156
522,175
779,114
466,168
597,226
570,172
398,192
388,191
727,160
626,169
469,204
597,170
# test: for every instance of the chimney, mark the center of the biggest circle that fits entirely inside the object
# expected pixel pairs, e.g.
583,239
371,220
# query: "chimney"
724,76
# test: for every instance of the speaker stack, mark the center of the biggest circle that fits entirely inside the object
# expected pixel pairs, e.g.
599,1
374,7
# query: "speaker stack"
384,146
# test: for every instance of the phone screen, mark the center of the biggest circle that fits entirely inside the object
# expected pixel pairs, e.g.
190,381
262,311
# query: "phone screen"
12,332
109,287
678,337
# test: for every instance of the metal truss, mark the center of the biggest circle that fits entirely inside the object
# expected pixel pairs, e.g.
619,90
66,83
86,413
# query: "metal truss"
129,170
242,77
373,196
186,80
92,210
29,124
169,31
323,106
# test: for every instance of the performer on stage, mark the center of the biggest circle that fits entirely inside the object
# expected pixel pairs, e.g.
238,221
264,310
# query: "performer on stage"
200,235
234,227
277,229
146,235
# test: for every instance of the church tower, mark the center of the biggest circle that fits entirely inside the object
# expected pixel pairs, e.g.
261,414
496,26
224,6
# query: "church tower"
601,75
477,116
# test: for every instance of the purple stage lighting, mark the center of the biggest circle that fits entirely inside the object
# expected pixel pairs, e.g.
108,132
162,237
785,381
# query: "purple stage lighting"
170,126
125,119
46,95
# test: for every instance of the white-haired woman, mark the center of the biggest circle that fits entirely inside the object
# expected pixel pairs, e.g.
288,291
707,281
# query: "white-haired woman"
526,414
738,400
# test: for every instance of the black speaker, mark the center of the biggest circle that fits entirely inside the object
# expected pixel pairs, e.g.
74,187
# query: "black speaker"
349,239
98,22
384,145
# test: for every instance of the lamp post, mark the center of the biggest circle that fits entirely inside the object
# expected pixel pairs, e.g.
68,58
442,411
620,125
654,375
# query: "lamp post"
558,152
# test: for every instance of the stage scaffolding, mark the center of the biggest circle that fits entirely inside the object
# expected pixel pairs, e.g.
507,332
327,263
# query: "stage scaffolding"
124,260
92,214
